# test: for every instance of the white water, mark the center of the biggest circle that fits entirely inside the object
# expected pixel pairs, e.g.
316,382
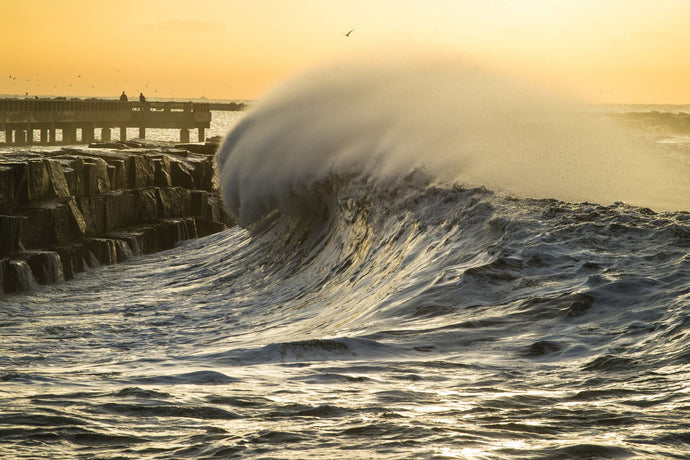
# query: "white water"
459,122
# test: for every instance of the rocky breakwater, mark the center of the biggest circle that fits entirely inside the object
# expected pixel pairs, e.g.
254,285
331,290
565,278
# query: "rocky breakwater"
66,211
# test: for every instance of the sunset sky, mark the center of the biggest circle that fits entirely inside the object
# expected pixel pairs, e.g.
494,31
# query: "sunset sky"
621,51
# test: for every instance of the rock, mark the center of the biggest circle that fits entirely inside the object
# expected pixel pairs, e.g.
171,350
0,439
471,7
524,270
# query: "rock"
72,257
70,178
149,202
141,171
111,176
208,227
162,178
122,250
174,231
162,173
136,177
181,176
173,202
122,208
104,249
35,182
150,169
8,173
46,266
109,145
132,238
96,176
51,222
208,148
3,263
198,203
118,173
203,172
77,217
17,276
150,238
93,210
86,176
192,231
10,232
74,174
58,182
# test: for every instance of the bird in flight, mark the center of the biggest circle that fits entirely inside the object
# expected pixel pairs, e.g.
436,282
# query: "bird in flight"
348,34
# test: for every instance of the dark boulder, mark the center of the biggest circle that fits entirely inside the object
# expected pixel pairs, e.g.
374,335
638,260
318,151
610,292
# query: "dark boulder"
181,175
10,233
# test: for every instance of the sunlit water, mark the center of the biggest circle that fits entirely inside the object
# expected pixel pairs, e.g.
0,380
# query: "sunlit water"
421,323
371,318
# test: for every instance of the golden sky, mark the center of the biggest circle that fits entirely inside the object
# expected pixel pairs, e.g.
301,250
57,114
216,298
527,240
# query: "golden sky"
621,51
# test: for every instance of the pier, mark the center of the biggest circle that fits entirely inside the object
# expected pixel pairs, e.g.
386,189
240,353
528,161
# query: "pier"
61,121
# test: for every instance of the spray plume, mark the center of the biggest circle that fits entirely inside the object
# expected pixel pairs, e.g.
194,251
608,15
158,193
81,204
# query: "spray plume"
459,122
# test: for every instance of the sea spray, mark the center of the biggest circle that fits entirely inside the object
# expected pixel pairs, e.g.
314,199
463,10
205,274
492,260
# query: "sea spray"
459,122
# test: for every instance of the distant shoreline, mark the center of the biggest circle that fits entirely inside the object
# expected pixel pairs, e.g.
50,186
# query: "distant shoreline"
228,106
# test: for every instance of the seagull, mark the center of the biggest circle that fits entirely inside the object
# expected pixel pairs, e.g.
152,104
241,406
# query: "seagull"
348,34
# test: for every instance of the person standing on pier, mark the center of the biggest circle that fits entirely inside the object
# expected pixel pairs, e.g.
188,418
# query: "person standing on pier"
123,97
142,100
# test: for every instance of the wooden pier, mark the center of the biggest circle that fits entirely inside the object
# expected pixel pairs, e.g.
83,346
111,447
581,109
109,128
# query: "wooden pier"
77,120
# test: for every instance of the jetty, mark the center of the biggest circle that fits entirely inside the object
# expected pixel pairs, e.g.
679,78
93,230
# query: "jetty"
75,121
72,209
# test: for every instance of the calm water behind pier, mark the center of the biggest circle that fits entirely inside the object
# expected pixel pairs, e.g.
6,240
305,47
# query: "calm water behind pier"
221,122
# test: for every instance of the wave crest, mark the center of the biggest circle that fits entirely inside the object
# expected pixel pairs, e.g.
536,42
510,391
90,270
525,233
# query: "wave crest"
456,121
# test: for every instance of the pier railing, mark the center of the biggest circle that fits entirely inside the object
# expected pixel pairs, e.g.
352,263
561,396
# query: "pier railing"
20,117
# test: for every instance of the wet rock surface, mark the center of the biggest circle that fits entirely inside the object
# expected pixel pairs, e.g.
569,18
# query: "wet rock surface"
65,211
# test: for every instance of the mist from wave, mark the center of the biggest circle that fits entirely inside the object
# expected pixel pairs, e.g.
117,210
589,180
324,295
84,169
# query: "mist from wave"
459,122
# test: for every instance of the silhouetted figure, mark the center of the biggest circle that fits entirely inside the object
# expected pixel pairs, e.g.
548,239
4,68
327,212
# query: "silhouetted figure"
123,97
141,97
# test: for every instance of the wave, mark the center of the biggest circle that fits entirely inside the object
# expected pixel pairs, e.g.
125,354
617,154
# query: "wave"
457,122
418,268
431,200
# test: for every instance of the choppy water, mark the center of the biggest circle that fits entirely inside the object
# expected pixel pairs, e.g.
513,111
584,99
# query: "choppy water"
395,318
422,322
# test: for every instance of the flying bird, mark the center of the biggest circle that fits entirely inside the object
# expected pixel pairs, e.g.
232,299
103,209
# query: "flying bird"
348,34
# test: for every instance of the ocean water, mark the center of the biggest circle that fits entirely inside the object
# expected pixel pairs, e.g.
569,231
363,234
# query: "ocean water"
370,308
